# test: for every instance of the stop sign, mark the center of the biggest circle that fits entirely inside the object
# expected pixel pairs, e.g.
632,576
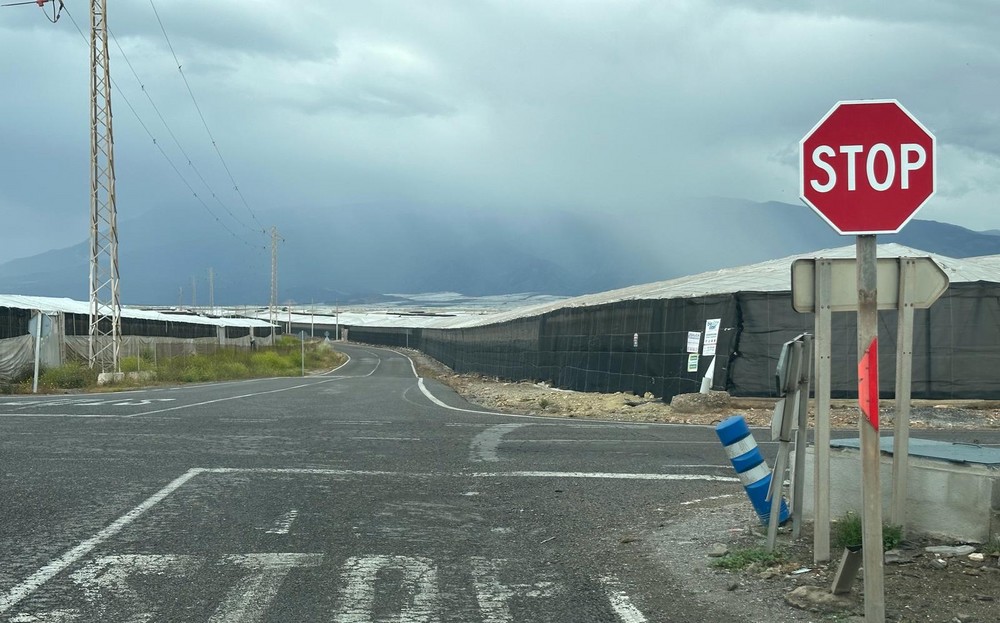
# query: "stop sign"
867,167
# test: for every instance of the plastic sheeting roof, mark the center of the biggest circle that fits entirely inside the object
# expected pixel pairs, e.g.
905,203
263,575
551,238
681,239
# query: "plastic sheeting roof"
70,306
770,276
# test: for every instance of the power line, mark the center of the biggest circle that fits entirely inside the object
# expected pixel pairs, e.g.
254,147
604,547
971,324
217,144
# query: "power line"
163,153
166,126
203,121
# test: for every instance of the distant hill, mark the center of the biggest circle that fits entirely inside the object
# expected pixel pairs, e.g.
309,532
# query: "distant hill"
358,253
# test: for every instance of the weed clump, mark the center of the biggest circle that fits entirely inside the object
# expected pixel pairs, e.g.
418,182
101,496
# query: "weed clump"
743,558
847,532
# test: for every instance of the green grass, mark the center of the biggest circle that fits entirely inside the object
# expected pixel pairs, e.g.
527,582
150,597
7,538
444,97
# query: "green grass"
72,375
743,558
847,532
282,359
992,546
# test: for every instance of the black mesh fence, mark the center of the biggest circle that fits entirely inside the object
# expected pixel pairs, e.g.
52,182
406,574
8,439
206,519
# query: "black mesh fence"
79,324
640,346
14,322
631,346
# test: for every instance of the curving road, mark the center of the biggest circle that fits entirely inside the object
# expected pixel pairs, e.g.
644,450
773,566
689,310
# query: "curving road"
361,495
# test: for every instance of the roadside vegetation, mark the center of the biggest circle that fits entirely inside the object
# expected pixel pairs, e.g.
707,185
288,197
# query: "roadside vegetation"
282,359
847,532
744,557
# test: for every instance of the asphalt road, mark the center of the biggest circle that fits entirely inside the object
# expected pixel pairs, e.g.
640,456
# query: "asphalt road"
357,496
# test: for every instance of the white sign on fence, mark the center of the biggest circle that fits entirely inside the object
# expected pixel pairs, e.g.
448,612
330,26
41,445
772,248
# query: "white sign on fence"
694,341
711,336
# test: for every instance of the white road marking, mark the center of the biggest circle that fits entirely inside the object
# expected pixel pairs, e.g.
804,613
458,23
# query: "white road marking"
68,415
714,497
109,576
43,575
228,398
71,615
493,595
283,524
249,600
620,602
386,438
419,582
485,444
36,580
605,476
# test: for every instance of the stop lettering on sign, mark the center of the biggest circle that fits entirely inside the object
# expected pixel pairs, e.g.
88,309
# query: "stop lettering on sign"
880,165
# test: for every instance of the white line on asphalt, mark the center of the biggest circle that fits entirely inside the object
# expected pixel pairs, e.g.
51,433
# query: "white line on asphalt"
620,602
284,523
228,398
604,475
417,576
523,474
678,442
484,445
386,439
250,598
43,575
714,497
35,581
76,415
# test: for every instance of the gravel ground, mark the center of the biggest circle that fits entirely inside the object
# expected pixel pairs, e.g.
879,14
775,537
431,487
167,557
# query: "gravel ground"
918,587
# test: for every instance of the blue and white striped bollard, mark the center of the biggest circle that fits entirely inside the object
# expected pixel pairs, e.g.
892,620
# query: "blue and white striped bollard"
750,466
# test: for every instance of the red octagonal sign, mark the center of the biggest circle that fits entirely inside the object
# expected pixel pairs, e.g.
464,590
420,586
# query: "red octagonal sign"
867,167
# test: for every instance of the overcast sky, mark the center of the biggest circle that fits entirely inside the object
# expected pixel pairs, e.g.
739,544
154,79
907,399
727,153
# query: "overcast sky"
612,106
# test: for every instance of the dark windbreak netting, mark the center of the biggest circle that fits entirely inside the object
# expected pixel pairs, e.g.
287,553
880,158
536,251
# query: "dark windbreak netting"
79,324
640,346
956,345
630,346
13,322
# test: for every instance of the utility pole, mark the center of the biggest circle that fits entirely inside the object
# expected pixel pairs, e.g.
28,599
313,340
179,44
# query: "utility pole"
104,343
211,291
273,309
194,292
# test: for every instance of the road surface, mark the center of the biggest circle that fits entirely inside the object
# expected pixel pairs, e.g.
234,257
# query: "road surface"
360,495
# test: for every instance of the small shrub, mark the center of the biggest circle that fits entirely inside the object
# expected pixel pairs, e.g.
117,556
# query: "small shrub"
992,546
743,558
544,403
848,532
72,375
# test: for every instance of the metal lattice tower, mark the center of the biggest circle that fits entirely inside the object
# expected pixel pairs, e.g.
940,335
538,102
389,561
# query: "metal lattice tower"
273,315
105,303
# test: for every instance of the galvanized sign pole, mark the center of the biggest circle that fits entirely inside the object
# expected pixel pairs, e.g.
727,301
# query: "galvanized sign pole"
904,381
871,491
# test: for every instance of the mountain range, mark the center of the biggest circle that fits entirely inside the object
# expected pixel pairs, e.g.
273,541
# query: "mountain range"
359,253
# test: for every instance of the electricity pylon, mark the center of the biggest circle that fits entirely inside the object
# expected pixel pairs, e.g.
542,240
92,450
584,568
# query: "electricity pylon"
273,307
105,302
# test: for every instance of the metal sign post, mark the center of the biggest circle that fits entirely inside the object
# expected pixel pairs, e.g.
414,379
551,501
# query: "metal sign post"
904,379
821,469
871,492
791,378
38,351
825,285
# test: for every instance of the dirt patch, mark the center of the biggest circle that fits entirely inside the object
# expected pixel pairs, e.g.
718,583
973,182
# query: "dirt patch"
541,399
918,585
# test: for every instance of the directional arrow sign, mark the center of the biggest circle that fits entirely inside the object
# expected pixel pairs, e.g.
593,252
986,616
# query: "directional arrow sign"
929,284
